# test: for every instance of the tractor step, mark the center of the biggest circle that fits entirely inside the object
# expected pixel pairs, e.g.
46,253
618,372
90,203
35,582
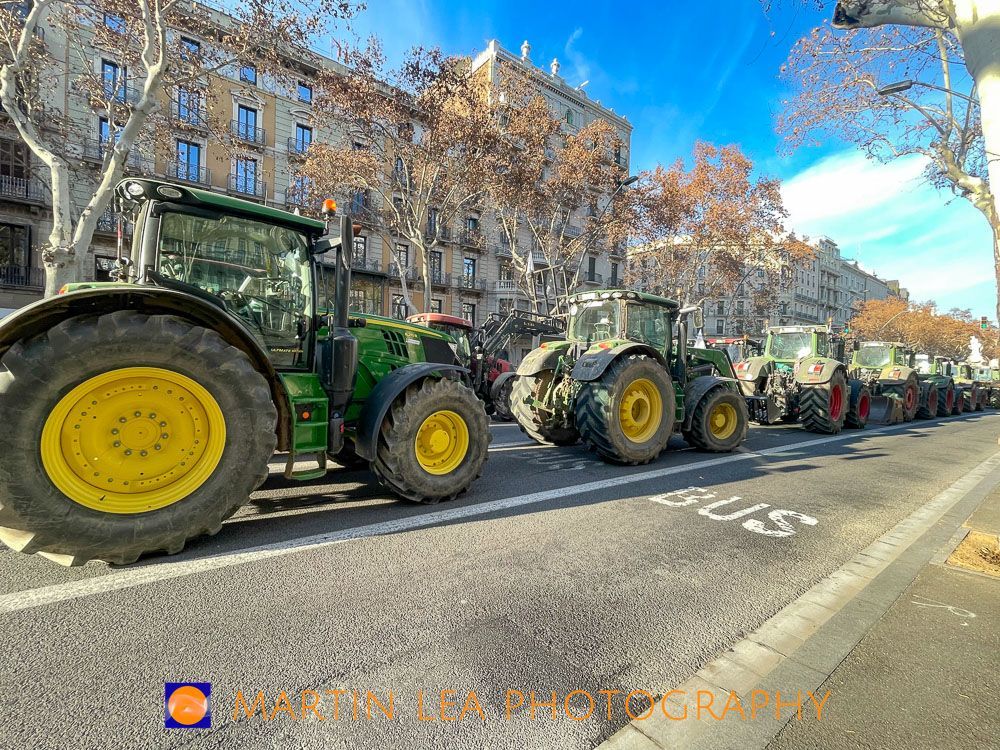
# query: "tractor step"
305,474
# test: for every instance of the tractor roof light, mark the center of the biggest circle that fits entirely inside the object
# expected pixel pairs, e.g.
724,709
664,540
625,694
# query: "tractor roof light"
134,189
167,191
605,295
329,206
617,295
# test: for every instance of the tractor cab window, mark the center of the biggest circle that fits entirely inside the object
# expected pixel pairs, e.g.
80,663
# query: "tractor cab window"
793,345
924,365
874,356
822,345
594,321
648,324
463,347
259,271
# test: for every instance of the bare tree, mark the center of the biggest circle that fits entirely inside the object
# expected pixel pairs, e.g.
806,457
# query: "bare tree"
417,145
156,57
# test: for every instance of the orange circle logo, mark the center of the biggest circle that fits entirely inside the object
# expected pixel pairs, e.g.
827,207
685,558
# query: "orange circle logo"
187,705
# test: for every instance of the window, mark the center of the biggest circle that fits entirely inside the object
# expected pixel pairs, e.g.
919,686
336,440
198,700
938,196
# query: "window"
359,256
504,306
472,223
760,273
720,308
720,327
436,258
469,271
469,312
13,160
15,246
432,221
188,160
103,266
248,74
189,106
113,77
701,288
398,307
245,175
305,92
403,257
614,274
740,291
246,123
300,190
569,117
739,307
114,22
358,146
648,323
366,296
190,49
436,306
303,138
104,132
506,271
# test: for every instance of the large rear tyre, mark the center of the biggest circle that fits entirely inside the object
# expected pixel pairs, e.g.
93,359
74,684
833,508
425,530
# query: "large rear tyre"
823,408
959,406
627,415
981,401
909,394
126,434
533,421
946,401
929,404
857,415
433,442
719,423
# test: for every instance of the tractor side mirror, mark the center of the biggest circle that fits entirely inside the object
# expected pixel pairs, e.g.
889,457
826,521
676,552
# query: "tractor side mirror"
856,345
698,319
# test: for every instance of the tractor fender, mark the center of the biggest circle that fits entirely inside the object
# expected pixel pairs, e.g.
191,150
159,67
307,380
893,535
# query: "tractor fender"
40,316
895,374
497,384
386,391
698,388
818,370
538,360
753,368
593,364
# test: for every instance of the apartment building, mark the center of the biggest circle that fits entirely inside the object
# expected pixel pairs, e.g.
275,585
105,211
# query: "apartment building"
271,126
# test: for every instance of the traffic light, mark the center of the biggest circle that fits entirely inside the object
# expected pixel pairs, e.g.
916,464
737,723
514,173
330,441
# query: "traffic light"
984,323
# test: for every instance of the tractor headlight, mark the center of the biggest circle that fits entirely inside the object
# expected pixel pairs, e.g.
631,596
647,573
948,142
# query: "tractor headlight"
167,191
134,189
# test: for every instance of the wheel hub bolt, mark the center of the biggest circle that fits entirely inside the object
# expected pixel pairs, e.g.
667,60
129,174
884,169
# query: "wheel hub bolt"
128,451
114,431
117,444
164,436
143,453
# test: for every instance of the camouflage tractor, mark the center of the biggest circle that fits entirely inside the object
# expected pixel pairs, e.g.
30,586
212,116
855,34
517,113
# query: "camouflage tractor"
625,380
888,369
802,377
143,412
975,394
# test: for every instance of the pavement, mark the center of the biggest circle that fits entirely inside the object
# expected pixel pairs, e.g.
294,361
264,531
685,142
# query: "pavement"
555,574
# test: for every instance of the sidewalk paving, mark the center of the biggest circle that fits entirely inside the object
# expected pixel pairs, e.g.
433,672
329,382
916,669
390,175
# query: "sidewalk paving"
928,673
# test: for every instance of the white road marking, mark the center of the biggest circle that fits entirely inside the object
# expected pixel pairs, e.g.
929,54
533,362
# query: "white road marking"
693,495
131,577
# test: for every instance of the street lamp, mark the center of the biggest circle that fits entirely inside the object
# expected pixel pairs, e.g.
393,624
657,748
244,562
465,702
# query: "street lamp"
899,87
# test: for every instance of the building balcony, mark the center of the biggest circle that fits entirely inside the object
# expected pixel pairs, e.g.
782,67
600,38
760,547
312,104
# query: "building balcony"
440,279
593,278
117,92
22,277
247,133
189,173
472,238
437,232
247,185
410,274
471,283
107,223
136,162
22,190
370,265
503,250
187,115
299,146
506,286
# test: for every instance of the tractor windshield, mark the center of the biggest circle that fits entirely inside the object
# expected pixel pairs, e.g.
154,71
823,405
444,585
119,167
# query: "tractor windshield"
874,356
793,345
594,321
259,271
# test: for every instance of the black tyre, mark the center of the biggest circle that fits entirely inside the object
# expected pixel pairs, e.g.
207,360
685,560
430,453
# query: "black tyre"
719,423
433,442
627,415
995,398
946,401
981,400
533,421
908,393
928,403
125,434
348,457
823,408
857,415
960,397
501,401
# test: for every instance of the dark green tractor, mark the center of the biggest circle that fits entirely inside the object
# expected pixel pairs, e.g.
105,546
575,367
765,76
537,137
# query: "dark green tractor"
140,413
625,380
940,372
888,368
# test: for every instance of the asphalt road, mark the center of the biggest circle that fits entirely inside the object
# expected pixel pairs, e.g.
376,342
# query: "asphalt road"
556,573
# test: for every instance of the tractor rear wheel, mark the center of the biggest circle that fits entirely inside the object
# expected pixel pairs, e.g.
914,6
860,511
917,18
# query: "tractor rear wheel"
857,415
627,415
719,422
946,402
127,433
533,421
981,401
995,398
433,442
928,408
909,394
823,408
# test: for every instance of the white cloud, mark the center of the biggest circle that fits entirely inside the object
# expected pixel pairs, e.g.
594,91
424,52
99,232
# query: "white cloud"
888,218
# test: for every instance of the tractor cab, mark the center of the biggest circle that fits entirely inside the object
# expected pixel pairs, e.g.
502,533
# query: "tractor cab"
738,348
786,345
604,319
458,328
879,354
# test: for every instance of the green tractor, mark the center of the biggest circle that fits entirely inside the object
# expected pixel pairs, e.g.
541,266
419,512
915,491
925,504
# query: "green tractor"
940,372
625,380
143,412
994,388
975,394
888,369
802,377
990,387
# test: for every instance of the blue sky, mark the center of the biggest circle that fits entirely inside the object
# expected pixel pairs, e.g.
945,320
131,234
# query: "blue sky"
684,71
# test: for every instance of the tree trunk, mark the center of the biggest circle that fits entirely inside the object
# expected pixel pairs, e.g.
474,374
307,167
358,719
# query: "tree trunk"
62,265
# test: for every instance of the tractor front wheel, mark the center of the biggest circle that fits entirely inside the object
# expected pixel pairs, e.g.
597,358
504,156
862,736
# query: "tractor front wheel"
433,442
719,422
627,415
528,389
127,433
501,405
857,415
823,408
946,402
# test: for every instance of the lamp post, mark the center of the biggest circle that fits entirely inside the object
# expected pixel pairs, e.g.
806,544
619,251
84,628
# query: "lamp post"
898,87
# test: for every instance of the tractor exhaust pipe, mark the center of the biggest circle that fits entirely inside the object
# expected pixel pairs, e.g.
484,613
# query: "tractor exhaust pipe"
342,292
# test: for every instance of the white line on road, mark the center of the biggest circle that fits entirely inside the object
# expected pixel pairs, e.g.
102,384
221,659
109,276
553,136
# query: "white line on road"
128,578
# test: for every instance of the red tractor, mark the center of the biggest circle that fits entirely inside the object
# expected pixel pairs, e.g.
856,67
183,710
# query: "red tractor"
484,350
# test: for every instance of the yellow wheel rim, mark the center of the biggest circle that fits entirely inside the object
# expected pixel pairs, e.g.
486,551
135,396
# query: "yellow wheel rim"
722,421
133,440
442,442
641,410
